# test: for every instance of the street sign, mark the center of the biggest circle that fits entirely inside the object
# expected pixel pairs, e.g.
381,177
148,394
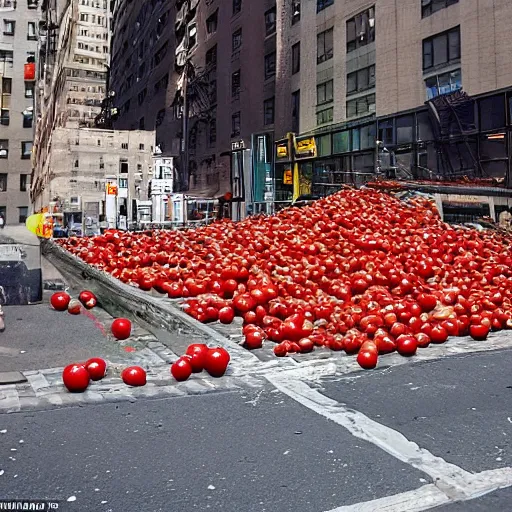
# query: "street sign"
235,146
11,252
111,189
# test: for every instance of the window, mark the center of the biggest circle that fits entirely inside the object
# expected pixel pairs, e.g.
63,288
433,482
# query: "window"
237,6
296,112
235,124
322,4
4,148
324,116
29,90
27,119
237,39
22,214
324,93
268,111
9,26
211,56
23,182
26,149
141,147
6,58
361,106
31,31
361,80
270,21
32,4
492,112
5,117
124,145
270,65
295,11
3,182
429,7
123,182
235,85
211,22
441,49
6,85
212,92
324,45
124,166
443,83
341,142
361,30
295,58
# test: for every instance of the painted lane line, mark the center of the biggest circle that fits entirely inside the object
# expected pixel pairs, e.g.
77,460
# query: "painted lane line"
454,481
423,498
431,496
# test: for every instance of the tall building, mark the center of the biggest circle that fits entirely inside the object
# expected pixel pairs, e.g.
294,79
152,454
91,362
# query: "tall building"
73,65
84,171
347,89
224,62
419,89
18,46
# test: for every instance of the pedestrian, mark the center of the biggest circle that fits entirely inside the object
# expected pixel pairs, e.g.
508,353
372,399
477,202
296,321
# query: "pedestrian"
2,222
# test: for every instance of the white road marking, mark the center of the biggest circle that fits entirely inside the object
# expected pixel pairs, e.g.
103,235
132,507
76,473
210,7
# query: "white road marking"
453,482
424,498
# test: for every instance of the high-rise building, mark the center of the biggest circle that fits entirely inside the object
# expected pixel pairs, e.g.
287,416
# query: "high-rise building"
18,46
419,89
221,56
73,66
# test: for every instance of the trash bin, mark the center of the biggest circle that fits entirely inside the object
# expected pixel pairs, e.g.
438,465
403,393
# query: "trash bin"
21,278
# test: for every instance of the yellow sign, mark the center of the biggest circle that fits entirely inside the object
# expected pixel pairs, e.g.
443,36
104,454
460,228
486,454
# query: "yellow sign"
40,225
305,147
111,189
282,151
288,177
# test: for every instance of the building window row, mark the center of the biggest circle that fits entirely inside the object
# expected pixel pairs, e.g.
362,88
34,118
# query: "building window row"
429,7
324,93
26,149
361,80
442,49
325,45
323,4
361,106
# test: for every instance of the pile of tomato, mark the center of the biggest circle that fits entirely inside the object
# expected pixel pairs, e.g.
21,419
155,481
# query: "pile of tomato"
359,271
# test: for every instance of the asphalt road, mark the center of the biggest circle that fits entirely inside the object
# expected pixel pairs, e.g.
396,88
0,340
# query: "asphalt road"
263,451
38,337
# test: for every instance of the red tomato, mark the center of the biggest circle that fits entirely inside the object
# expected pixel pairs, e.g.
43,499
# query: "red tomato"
280,350
438,334
226,315
197,353
244,303
422,340
121,328
74,307
479,332
76,378
134,376
96,367
367,359
88,299
181,369
254,339
407,345
306,345
216,363
60,301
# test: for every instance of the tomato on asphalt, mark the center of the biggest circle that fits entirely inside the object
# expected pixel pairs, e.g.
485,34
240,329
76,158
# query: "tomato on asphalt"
60,301
367,359
407,346
88,299
197,353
